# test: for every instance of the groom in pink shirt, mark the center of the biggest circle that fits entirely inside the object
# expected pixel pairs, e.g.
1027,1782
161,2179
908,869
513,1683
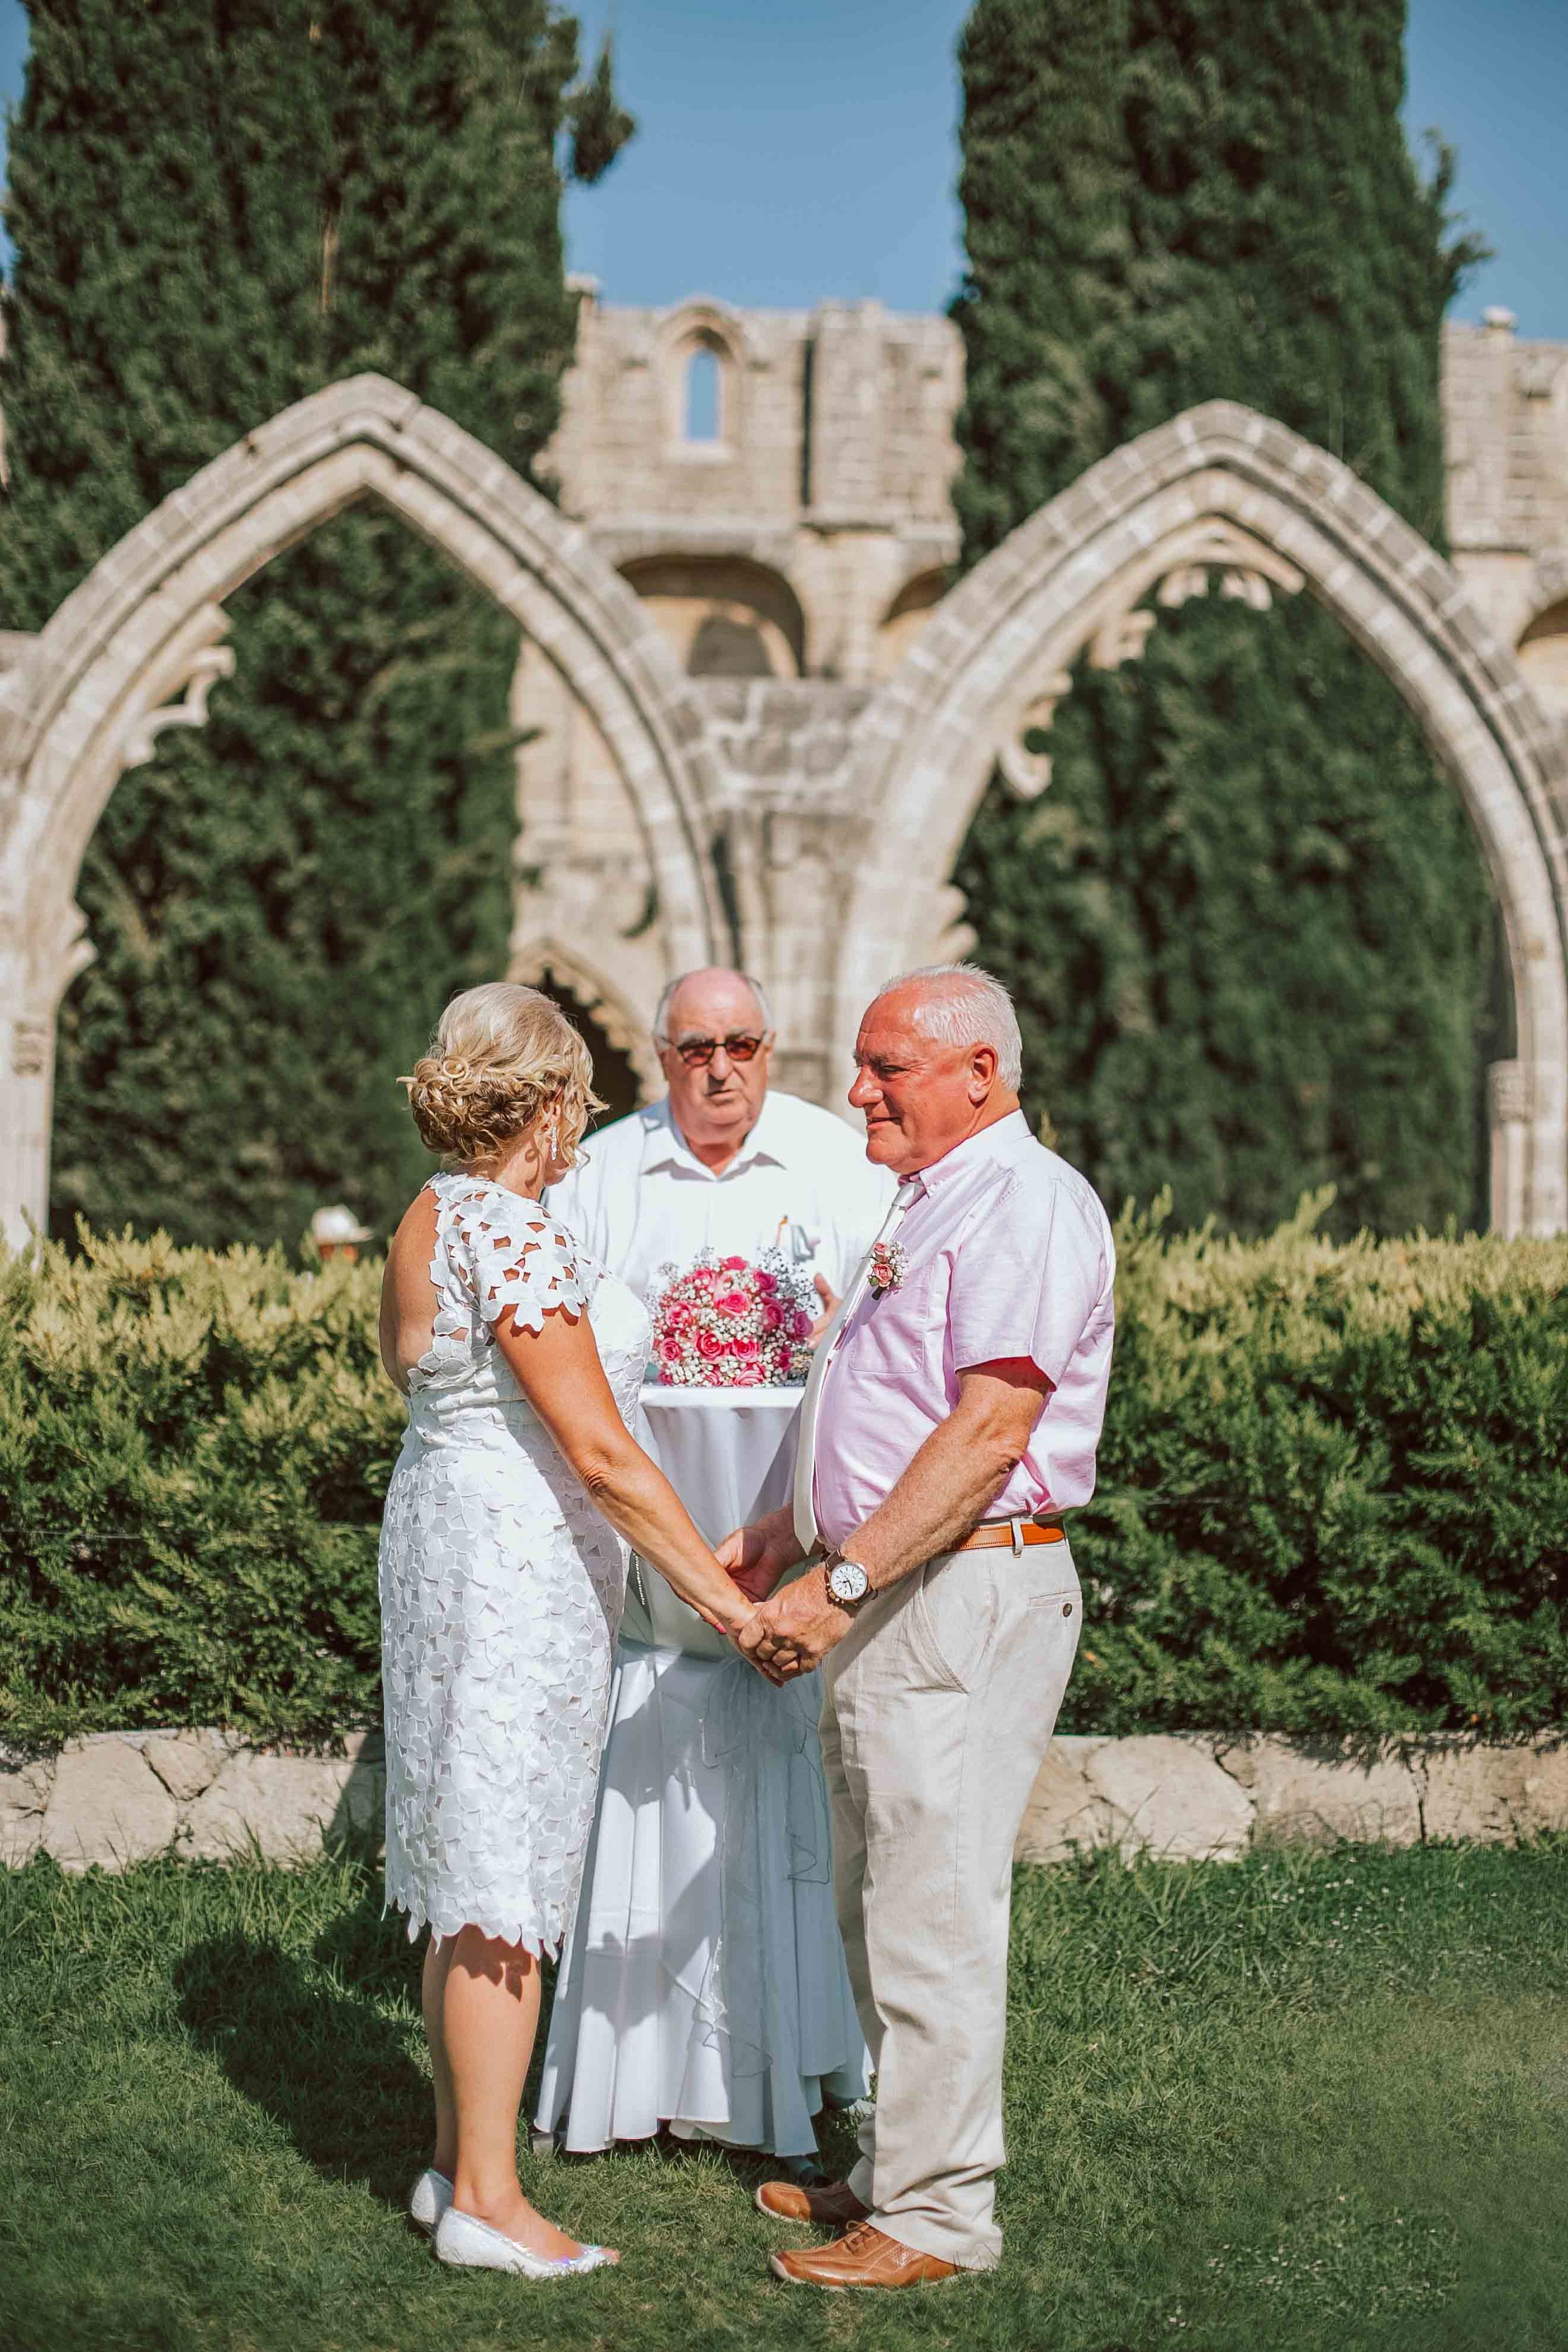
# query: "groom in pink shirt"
952,1417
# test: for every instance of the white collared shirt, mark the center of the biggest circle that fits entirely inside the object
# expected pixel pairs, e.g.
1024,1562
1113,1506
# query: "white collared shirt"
1004,1253
640,1199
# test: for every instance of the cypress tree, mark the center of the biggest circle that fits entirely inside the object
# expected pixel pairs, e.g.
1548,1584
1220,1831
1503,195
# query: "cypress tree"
218,206
1247,922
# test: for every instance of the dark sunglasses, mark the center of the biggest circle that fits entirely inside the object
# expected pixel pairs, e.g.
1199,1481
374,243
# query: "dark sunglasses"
697,1052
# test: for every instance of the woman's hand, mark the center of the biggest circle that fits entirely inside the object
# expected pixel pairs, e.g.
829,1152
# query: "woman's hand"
730,1618
726,1616
757,1556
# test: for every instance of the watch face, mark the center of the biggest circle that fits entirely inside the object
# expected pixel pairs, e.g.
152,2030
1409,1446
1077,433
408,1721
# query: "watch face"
848,1581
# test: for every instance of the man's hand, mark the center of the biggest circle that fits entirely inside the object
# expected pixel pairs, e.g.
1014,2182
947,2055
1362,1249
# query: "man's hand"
757,1556
795,1630
829,1299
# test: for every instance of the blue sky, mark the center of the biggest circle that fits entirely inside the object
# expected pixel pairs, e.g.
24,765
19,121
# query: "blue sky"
805,149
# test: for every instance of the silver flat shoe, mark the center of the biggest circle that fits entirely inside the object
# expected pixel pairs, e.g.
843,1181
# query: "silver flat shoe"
429,2200
468,2243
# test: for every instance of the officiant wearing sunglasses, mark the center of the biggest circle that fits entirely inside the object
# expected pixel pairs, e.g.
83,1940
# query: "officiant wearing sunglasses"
725,1162
703,1990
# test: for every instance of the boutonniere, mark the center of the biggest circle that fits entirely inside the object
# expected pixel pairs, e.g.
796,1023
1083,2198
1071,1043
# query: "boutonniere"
886,1266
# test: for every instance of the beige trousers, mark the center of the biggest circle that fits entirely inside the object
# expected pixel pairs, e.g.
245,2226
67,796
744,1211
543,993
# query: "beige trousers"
939,1705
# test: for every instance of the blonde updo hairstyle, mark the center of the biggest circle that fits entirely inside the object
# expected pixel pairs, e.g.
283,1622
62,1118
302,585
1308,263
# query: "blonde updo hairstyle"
502,1057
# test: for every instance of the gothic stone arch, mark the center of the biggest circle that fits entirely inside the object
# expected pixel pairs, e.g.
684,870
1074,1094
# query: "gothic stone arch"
136,647
1220,490
627,1029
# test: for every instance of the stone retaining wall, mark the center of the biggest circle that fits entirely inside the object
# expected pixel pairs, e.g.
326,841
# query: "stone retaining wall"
119,1797
1199,1795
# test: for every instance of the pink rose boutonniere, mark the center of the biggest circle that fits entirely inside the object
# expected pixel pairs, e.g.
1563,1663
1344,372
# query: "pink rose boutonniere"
888,1264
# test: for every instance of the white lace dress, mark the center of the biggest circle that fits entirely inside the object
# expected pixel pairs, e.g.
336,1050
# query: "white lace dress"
502,1589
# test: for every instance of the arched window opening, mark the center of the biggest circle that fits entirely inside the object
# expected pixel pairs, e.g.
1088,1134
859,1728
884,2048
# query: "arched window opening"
703,395
614,1073
1219,493
1544,657
122,683
343,956
727,646
905,617
724,615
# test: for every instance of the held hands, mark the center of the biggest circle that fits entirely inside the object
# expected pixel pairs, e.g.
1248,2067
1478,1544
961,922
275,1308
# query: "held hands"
734,1617
794,1631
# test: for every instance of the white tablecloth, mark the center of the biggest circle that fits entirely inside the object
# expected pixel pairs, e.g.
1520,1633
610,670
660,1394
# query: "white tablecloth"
729,1455
703,1987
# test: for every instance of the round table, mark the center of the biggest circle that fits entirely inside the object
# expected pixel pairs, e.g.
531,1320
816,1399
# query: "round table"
729,1455
703,1989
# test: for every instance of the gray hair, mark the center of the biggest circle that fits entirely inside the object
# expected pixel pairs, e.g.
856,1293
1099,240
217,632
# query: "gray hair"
962,1006
661,1035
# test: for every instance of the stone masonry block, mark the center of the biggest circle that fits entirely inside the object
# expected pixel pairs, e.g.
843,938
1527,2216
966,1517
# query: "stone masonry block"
1066,1814
1496,1794
186,1761
1167,1797
1424,570
766,753
285,1807
107,1806
1277,442
723,697
1305,1796
24,1796
825,753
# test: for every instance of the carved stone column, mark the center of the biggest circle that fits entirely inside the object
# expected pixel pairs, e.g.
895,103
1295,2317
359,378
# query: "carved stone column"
25,1098
1508,1113
37,965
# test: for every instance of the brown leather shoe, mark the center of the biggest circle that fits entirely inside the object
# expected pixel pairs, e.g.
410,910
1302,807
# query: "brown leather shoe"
832,2205
864,2256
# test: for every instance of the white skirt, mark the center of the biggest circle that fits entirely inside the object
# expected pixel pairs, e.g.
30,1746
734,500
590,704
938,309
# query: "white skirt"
702,1989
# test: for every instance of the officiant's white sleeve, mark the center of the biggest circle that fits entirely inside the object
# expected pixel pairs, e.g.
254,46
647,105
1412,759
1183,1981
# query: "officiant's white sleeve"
581,1201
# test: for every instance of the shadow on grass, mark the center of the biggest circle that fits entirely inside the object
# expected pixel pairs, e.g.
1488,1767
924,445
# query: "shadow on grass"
322,2042
325,2042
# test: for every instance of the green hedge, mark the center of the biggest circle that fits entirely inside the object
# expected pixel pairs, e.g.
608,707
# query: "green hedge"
194,1448
1333,1498
1333,1492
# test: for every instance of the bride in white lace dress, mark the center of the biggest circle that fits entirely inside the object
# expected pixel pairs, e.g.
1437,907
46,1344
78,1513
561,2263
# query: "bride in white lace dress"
502,1573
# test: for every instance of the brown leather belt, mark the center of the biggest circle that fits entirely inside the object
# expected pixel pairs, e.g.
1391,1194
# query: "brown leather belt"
1014,1533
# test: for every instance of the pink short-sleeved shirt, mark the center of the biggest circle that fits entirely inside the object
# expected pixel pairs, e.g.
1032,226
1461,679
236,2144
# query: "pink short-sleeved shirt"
1007,1253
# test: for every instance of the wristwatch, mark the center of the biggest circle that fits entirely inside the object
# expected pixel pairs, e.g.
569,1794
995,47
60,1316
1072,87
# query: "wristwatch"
847,1582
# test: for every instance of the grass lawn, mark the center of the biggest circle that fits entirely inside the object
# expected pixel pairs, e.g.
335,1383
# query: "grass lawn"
1296,2101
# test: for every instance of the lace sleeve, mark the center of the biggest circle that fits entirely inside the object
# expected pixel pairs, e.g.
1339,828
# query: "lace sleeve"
516,1255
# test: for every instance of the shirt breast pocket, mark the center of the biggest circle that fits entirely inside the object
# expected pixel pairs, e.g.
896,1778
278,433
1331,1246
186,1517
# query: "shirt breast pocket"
899,1323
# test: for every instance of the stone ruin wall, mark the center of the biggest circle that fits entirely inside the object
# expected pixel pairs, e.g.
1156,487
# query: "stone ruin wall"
789,541
775,487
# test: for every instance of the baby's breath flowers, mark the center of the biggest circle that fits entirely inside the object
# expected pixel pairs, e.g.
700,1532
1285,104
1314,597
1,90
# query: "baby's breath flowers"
729,1324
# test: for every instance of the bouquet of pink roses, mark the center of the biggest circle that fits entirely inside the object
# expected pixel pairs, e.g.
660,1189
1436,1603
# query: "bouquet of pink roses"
728,1324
